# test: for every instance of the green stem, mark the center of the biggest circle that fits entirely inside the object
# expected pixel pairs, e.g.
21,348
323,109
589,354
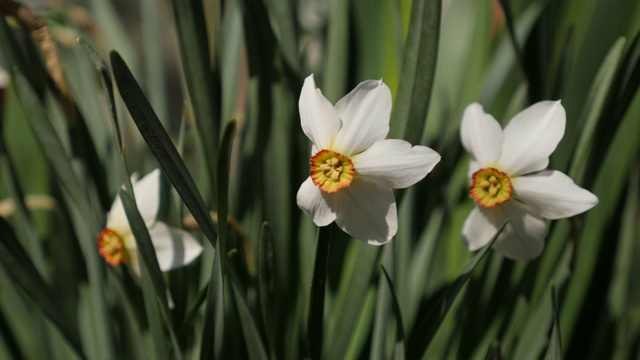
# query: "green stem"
316,301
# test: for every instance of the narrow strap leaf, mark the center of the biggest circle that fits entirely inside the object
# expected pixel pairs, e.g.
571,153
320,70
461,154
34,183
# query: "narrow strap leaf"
253,341
315,328
161,145
400,338
418,71
554,351
19,266
266,286
427,328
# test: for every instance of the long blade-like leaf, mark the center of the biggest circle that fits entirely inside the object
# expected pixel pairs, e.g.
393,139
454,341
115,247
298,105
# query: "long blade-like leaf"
418,71
213,328
105,75
427,328
315,324
266,285
214,313
19,266
400,348
554,351
195,55
144,245
161,145
255,346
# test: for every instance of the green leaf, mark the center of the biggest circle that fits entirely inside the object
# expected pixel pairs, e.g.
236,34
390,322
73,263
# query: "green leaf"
609,185
161,145
23,217
357,274
517,48
85,220
214,315
400,347
624,88
151,268
255,347
144,245
224,164
424,332
335,74
53,148
151,12
153,312
554,351
283,22
213,328
197,64
593,108
267,286
381,318
14,57
192,313
315,323
418,71
105,75
19,266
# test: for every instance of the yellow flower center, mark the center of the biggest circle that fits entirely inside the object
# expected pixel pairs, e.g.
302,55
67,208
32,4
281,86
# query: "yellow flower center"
331,171
111,247
490,187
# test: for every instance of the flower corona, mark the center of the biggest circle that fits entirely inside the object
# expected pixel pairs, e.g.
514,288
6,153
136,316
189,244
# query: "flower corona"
490,187
331,171
111,247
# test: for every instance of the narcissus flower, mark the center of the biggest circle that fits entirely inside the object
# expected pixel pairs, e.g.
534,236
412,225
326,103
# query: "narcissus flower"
116,243
509,180
353,167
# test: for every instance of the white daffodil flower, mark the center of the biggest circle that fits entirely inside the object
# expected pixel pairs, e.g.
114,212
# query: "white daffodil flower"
116,243
353,167
509,180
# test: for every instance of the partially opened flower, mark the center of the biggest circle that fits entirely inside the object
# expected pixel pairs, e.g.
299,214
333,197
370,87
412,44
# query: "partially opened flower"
509,180
353,167
116,243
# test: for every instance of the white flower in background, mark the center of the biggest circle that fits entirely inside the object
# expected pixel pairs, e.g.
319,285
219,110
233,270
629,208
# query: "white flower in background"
116,243
4,78
509,180
4,81
353,167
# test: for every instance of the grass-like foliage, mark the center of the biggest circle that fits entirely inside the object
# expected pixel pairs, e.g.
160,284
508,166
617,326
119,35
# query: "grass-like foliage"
253,249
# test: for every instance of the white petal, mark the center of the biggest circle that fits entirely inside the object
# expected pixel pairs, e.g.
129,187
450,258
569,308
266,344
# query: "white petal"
147,192
320,121
481,135
523,237
365,114
174,247
531,136
553,194
322,207
473,167
395,163
480,226
4,78
117,218
368,212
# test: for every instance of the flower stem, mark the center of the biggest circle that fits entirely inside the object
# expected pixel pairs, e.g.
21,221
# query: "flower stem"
316,300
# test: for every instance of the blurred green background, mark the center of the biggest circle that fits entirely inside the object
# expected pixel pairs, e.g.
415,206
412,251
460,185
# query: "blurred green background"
201,63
